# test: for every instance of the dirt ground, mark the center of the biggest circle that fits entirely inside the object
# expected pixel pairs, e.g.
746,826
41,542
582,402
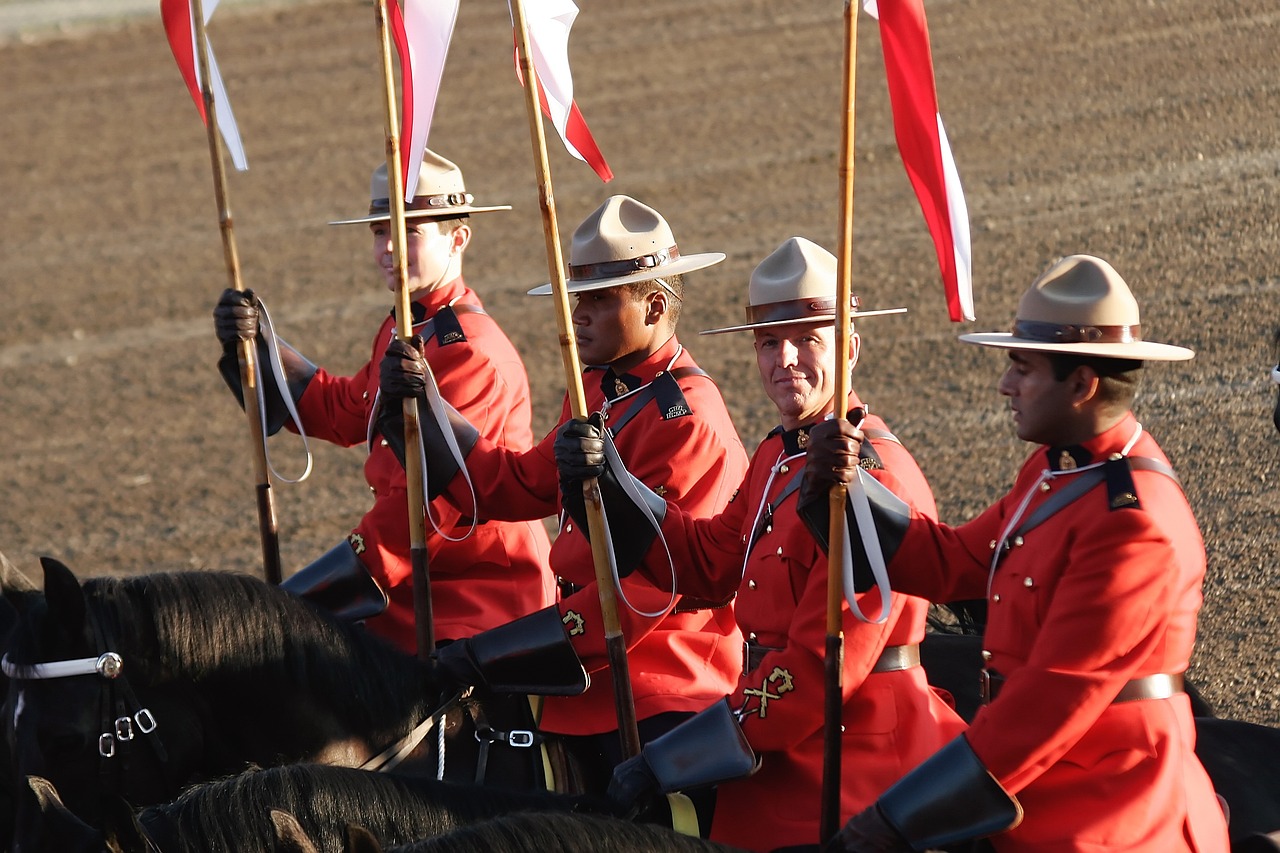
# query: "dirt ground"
1146,133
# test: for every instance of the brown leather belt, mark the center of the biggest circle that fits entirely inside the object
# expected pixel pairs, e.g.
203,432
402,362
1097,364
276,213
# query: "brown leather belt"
892,659
1159,686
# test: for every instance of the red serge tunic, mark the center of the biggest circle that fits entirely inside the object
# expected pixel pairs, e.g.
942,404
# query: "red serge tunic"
497,573
1088,600
892,720
682,444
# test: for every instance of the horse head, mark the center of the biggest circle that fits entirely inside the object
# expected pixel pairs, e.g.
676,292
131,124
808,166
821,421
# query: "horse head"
72,715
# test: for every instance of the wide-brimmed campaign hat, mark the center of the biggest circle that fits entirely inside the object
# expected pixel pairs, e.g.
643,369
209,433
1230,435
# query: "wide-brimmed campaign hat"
440,194
625,241
1080,306
795,285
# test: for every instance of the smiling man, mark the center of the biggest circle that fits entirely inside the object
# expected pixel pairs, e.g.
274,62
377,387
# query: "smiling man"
763,549
1091,567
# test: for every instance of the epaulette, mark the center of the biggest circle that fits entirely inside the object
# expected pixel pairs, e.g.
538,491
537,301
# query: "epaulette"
669,396
1121,491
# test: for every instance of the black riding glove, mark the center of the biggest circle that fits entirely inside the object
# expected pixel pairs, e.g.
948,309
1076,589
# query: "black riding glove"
403,370
579,451
633,786
235,317
868,832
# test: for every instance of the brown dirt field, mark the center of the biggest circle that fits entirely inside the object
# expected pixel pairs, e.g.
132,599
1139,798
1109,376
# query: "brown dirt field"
1142,132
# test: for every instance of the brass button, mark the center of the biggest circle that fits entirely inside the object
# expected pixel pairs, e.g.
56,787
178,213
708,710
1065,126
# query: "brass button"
568,528
986,655
365,395
779,550
1028,583
751,584
996,598
1044,487
372,489
383,442
992,546
785,468
1017,540
752,636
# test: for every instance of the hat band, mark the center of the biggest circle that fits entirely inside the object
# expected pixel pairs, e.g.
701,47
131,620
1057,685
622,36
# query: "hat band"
1054,333
796,309
608,269
423,202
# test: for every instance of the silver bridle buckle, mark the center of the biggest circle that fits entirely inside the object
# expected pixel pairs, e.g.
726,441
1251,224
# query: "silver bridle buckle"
109,665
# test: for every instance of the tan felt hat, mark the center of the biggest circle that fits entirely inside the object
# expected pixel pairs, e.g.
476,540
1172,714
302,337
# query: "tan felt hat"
796,284
625,241
440,194
1080,306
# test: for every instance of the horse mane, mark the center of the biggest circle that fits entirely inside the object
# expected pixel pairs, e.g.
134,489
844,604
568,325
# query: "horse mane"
552,832
231,630
235,813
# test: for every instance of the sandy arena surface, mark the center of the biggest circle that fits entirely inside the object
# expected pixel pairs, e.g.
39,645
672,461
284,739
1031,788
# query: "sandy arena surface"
1146,133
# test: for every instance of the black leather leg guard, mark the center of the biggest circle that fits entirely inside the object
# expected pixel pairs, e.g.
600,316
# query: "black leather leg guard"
629,527
949,798
706,749
298,371
441,466
339,583
531,654
890,513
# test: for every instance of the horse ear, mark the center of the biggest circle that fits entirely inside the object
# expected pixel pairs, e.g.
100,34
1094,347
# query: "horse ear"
45,824
361,840
18,592
65,597
290,836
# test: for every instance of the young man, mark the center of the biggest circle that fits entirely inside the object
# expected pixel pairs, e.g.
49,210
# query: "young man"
1091,567
670,425
761,548
496,573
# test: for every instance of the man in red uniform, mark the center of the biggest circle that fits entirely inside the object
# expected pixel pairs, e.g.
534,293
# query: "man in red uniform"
480,580
761,549
670,425
1091,568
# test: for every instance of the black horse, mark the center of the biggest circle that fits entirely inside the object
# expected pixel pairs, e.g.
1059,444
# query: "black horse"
213,671
236,813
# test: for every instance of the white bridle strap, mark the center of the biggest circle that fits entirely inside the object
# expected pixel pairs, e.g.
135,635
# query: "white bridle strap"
108,665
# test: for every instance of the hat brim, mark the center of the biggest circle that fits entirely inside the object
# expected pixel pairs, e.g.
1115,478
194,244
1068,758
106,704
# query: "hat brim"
434,213
802,321
681,265
1137,350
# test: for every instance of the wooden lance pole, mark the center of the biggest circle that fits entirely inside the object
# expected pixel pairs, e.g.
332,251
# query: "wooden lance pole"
267,527
424,620
614,640
829,820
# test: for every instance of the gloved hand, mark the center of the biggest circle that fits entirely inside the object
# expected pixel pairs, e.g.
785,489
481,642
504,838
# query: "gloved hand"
235,317
831,457
633,785
403,370
456,664
867,832
579,450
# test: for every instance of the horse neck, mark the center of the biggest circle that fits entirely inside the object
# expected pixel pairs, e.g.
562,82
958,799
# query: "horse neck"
252,654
